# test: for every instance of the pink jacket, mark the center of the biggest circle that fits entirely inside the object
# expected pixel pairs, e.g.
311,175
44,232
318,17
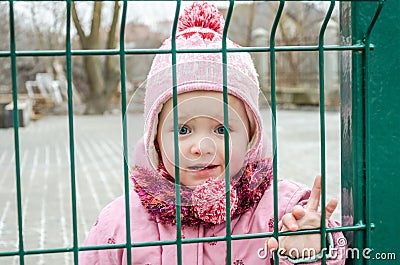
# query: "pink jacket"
110,229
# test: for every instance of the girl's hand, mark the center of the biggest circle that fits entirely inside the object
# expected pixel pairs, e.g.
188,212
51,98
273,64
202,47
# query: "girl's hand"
301,246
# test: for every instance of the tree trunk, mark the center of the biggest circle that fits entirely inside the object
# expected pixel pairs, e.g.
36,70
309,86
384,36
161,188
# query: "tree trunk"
102,86
103,76
95,106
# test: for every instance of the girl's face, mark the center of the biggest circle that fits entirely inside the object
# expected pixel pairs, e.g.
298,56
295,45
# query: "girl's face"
201,136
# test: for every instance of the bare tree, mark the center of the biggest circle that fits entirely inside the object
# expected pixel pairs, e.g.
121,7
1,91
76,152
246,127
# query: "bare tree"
31,33
299,25
103,76
4,46
49,35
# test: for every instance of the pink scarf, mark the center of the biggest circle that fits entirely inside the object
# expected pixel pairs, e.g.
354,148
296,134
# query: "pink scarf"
206,203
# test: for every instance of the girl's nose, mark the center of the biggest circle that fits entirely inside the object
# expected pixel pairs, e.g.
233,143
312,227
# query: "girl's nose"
203,146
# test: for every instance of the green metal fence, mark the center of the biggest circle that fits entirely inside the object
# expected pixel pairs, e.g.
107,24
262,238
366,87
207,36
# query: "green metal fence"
359,170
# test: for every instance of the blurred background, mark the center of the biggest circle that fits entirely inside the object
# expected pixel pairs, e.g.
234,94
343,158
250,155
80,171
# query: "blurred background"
41,26
45,147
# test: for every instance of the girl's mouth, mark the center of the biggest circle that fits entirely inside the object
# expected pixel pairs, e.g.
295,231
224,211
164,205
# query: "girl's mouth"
199,173
200,168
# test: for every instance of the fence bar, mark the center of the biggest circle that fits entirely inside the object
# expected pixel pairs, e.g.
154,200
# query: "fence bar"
383,131
274,123
71,133
367,36
355,110
228,232
368,156
176,144
352,155
124,133
16,133
184,241
322,126
310,48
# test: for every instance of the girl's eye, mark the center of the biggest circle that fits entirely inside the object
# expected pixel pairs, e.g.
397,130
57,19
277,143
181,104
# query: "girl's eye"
183,130
220,130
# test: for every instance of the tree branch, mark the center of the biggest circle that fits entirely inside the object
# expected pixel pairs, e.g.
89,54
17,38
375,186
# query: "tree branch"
111,69
78,26
36,26
111,34
96,20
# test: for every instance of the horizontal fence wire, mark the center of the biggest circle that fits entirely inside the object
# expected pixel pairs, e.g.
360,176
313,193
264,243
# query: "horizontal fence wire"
364,46
311,48
359,227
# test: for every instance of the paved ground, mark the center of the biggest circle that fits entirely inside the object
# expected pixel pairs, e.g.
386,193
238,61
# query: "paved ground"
45,173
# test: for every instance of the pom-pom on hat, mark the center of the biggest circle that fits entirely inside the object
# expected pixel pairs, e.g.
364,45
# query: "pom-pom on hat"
200,27
201,15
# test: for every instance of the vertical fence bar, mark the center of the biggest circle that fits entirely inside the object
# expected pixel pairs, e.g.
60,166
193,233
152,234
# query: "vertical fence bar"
274,121
346,120
176,145
368,157
352,110
322,124
228,233
124,132
13,56
71,132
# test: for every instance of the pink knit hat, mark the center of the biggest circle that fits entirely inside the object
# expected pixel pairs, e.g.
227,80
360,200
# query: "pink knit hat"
200,27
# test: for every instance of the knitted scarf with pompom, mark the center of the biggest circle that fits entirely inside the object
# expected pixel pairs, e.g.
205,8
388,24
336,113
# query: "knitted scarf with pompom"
156,191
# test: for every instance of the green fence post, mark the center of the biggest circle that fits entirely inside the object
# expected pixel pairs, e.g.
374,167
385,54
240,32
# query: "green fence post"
370,129
383,133
352,132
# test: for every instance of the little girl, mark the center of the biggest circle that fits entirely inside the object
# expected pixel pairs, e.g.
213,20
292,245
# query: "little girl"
201,133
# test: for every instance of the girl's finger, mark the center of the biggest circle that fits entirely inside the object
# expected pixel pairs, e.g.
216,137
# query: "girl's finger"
289,222
271,244
330,208
313,201
298,212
